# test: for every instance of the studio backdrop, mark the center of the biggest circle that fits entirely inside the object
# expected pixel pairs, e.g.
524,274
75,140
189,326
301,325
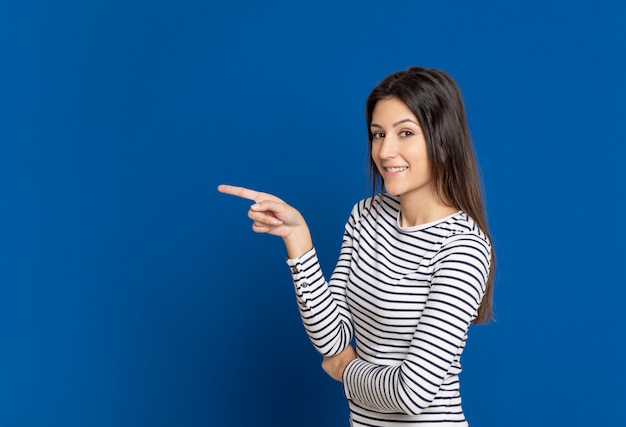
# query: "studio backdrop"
132,293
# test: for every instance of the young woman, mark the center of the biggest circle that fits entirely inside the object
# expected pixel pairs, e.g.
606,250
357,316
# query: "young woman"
416,263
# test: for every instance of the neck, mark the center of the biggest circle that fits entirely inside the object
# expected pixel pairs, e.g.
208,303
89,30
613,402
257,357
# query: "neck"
417,212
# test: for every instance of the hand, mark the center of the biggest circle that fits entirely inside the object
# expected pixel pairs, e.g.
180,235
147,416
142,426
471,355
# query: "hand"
273,216
335,365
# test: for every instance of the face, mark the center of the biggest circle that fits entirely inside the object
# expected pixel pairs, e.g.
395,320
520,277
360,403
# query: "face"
399,151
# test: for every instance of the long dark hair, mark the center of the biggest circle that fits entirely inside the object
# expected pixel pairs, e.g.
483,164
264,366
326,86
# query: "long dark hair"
435,99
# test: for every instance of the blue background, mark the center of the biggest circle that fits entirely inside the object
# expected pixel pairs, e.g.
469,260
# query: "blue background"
132,293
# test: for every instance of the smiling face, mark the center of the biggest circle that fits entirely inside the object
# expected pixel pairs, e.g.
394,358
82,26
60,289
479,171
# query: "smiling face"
399,151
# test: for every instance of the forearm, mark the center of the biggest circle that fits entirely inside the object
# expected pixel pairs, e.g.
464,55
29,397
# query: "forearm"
406,388
376,386
323,305
324,311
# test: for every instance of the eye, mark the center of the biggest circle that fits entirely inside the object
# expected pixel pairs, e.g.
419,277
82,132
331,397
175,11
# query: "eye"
377,135
406,133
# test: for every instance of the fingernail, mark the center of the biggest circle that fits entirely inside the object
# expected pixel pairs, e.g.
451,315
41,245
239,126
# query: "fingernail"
255,206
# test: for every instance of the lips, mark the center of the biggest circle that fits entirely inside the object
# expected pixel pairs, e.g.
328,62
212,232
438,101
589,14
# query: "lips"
396,169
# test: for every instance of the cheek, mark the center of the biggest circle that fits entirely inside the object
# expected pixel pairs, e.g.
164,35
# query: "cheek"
373,153
375,160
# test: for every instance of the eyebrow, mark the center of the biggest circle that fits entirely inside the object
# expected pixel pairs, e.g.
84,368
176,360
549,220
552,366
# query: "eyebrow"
397,123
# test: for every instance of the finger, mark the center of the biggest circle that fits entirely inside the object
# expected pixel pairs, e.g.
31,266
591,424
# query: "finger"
246,193
242,192
258,227
274,206
264,218
265,228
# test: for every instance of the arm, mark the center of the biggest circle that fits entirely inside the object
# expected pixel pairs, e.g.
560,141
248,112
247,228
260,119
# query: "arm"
458,283
322,305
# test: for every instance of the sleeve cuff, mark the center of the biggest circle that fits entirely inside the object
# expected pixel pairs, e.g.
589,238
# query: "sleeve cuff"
346,378
303,269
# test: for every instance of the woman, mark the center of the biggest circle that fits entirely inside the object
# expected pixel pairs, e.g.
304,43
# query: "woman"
416,263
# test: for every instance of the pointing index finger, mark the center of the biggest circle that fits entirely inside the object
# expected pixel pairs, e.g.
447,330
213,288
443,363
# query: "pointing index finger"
242,192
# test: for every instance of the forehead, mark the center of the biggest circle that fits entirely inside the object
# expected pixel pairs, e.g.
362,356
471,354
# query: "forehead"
391,110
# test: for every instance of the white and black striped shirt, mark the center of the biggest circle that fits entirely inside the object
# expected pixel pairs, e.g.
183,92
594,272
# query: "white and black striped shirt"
408,295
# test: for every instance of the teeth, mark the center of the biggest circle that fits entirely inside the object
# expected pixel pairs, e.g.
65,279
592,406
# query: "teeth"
396,169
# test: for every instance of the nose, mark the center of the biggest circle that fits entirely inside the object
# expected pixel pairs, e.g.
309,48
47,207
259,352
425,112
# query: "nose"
388,148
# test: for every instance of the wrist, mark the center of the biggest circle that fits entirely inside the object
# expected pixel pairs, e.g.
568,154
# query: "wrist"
298,242
343,372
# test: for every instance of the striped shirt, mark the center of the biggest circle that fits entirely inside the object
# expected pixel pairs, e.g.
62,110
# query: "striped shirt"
408,295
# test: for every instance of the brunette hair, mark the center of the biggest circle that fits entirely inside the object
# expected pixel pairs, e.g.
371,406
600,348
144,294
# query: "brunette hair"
435,99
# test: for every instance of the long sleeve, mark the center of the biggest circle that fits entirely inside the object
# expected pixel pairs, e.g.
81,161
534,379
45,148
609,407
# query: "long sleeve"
323,306
460,272
408,295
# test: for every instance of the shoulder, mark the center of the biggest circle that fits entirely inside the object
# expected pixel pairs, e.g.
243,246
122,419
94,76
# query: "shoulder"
461,226
462,235
464,255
